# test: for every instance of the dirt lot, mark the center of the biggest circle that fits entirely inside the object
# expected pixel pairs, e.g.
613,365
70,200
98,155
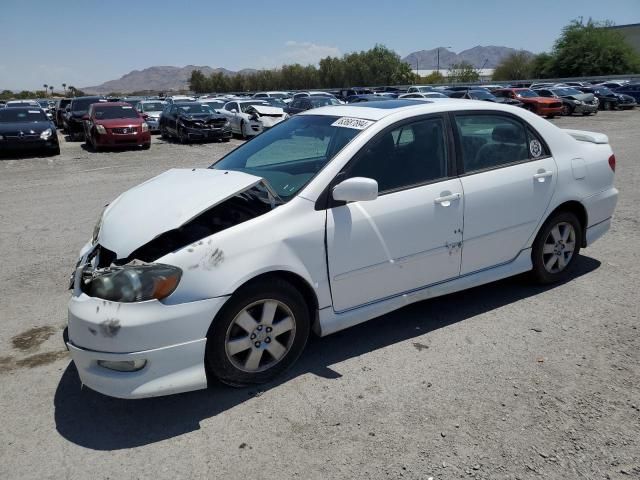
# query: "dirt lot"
505,381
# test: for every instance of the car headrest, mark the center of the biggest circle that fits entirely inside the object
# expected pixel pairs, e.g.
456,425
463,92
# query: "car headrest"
508,134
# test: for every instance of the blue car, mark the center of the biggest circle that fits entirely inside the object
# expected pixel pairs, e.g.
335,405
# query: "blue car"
631,89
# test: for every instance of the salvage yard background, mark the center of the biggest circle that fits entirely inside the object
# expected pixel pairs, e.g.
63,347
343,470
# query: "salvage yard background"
503,381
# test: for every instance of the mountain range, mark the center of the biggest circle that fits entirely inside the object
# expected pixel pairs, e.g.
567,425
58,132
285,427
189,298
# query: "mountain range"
478,56
166,78
161,78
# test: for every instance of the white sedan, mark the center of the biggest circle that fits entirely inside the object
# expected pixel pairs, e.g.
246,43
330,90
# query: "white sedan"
249,118
332,218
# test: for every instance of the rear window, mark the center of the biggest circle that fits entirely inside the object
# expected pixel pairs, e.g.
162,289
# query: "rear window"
83,104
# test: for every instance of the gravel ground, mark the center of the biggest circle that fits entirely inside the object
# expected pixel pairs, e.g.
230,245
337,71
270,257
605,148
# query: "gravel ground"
504,381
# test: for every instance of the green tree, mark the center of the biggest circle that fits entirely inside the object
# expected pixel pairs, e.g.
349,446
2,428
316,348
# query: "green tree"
198,82
591,48
433,77
462,72
515,66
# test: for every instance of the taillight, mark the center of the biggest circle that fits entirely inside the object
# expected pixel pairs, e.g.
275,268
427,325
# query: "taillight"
612,162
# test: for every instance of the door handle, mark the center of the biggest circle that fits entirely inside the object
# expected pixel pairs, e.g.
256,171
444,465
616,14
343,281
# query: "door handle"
540,176
446,200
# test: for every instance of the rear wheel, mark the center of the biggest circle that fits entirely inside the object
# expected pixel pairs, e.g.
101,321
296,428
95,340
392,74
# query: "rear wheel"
260,332
556,248
182,136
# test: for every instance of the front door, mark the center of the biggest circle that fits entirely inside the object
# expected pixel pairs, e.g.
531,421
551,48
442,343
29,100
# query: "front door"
407,238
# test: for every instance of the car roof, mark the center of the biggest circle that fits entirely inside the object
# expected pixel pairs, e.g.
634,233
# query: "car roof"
379,110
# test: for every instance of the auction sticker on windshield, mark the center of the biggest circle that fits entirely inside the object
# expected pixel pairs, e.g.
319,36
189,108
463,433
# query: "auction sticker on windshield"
348,122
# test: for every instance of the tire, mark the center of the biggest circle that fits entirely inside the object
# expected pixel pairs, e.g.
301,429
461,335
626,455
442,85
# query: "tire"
608,106
243,136
146,146
182,138
163,133
250,359
551,256
567,110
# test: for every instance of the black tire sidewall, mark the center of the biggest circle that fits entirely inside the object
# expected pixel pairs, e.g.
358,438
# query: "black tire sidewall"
216,359
539,272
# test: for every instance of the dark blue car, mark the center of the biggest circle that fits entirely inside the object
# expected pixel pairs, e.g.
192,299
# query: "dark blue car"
631,89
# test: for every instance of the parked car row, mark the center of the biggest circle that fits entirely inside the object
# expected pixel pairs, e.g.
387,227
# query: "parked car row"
129,121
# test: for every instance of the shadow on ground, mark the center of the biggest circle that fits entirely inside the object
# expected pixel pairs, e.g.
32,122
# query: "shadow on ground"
98,422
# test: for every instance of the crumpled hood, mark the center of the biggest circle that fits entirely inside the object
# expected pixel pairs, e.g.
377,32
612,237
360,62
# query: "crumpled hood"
164,203
266,110
583,97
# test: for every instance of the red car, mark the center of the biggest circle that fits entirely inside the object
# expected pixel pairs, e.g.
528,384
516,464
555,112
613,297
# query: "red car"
547,107
115,124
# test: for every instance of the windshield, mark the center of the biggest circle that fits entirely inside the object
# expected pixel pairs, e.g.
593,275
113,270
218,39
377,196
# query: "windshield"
82,105
195,108
278,95
563,92
11,115
526,93
215,104
481,94
290,154
152,107
111,113
323,101
23,104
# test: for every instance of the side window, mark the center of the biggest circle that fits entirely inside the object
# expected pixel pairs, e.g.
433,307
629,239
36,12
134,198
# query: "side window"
490,141
412,154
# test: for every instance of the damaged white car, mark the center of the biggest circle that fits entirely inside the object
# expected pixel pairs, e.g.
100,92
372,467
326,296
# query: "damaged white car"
249,118
336,216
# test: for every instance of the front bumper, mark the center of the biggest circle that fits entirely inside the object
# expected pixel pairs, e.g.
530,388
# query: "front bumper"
208,133
173,369
122,140
16,145
154,124
586,108
171,338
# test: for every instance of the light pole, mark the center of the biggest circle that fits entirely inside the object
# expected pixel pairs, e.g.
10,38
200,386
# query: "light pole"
438,62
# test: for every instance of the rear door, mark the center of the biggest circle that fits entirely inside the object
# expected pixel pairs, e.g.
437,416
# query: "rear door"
508,178
409,237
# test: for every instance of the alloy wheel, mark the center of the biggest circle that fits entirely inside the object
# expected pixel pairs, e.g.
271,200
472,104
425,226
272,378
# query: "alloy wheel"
559,247
260,335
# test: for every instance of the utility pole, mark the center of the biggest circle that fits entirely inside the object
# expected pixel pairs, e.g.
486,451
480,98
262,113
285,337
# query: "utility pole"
438,62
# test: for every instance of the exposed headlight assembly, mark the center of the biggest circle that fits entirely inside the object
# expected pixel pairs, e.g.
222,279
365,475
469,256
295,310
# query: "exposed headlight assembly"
101,130
46,134
134,283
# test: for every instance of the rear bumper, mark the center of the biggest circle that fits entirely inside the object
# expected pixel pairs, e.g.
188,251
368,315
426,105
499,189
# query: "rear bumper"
545,111
600,208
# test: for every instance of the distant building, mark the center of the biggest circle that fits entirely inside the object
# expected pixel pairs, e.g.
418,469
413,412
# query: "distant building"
485,73
631,33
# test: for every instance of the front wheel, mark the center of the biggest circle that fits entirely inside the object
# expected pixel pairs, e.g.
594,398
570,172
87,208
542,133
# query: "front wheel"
567,110
260,332
556,247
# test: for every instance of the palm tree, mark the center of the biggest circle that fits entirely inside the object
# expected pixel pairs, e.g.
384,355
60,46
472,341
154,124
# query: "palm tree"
45,89
64,87
51,88
72,89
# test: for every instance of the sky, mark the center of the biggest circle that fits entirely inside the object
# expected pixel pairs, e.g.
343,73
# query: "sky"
87,42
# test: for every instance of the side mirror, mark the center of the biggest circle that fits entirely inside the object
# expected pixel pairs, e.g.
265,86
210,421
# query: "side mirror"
356,189
234,111
85,117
